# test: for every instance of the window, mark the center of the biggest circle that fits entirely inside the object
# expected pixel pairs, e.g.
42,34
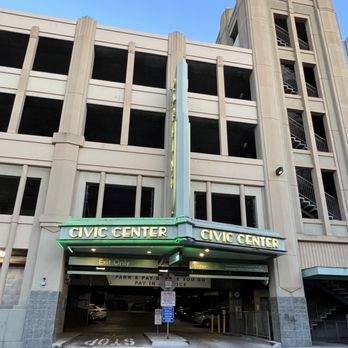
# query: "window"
8,193
306,192
302,33
241,139
205,135
282,31
6,104
201,205
110,64
103,124
319,133
250,207
91,199
150,70
202,77
311,84
31,193
331,195
289,78
146,129
297,132
53,56
13,47
226,208
40,116
237,83
147,201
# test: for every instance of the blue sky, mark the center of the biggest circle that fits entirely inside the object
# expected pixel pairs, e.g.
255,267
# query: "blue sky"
196,19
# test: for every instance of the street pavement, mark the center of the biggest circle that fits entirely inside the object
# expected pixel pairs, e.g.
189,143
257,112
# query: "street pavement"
126,329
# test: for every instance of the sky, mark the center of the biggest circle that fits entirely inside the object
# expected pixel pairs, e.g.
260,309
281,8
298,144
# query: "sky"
196,19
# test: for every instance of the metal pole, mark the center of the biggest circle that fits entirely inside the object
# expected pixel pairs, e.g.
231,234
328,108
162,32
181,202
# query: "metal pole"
168,330
212,323
219,328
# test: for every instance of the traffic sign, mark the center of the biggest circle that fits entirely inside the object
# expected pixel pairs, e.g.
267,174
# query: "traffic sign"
168,314
168,282
158,316
167,298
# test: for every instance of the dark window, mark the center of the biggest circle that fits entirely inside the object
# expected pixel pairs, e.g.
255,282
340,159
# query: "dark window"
119,201
226,208
110,64
147,200
306,192
8,192
205,135
6,104
282,32
250,206
146,129
297,132
331,195
31,193
150,70
319,133
202,77
103,124
302,33
241,139
40,116
53,56
91,199
201,205
13,47
289,78
237,83
311,84
234,34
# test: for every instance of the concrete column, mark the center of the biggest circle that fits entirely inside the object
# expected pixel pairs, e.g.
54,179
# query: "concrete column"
13,230
101,191
138,196
128,94
209,202
222,106
48,280
23,81
176,52
242,205
286,287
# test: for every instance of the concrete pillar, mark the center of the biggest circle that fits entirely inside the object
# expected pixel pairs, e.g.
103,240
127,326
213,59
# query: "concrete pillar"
288,304
242,205
138,196
23,81
222,106
46,305
101,191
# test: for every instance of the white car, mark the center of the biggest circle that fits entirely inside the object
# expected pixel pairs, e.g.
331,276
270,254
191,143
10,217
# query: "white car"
96,313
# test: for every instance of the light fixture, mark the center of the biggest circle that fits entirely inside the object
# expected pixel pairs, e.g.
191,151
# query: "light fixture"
163,270
207,250
149,252
69,248
100,268
201,254
93,249
2,253
279,171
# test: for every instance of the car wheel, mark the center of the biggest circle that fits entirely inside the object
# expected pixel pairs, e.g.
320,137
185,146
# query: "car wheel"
206,323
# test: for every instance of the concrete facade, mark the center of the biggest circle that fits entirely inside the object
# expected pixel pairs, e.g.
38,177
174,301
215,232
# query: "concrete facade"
66,162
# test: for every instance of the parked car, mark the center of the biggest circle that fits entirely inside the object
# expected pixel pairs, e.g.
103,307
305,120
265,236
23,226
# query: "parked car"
204,318
96,312
186,313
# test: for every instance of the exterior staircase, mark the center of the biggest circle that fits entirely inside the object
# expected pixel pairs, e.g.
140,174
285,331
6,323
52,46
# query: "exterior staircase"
297,133
320,313
283,38
289,80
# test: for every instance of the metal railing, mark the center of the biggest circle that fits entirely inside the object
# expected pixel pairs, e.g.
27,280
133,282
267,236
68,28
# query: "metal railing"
303,44
311,90
289,77
321,143
306,189
332,206
282,35
297,130
332,330
252,323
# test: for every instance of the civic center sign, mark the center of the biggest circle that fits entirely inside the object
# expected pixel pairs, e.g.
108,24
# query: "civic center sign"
149,229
